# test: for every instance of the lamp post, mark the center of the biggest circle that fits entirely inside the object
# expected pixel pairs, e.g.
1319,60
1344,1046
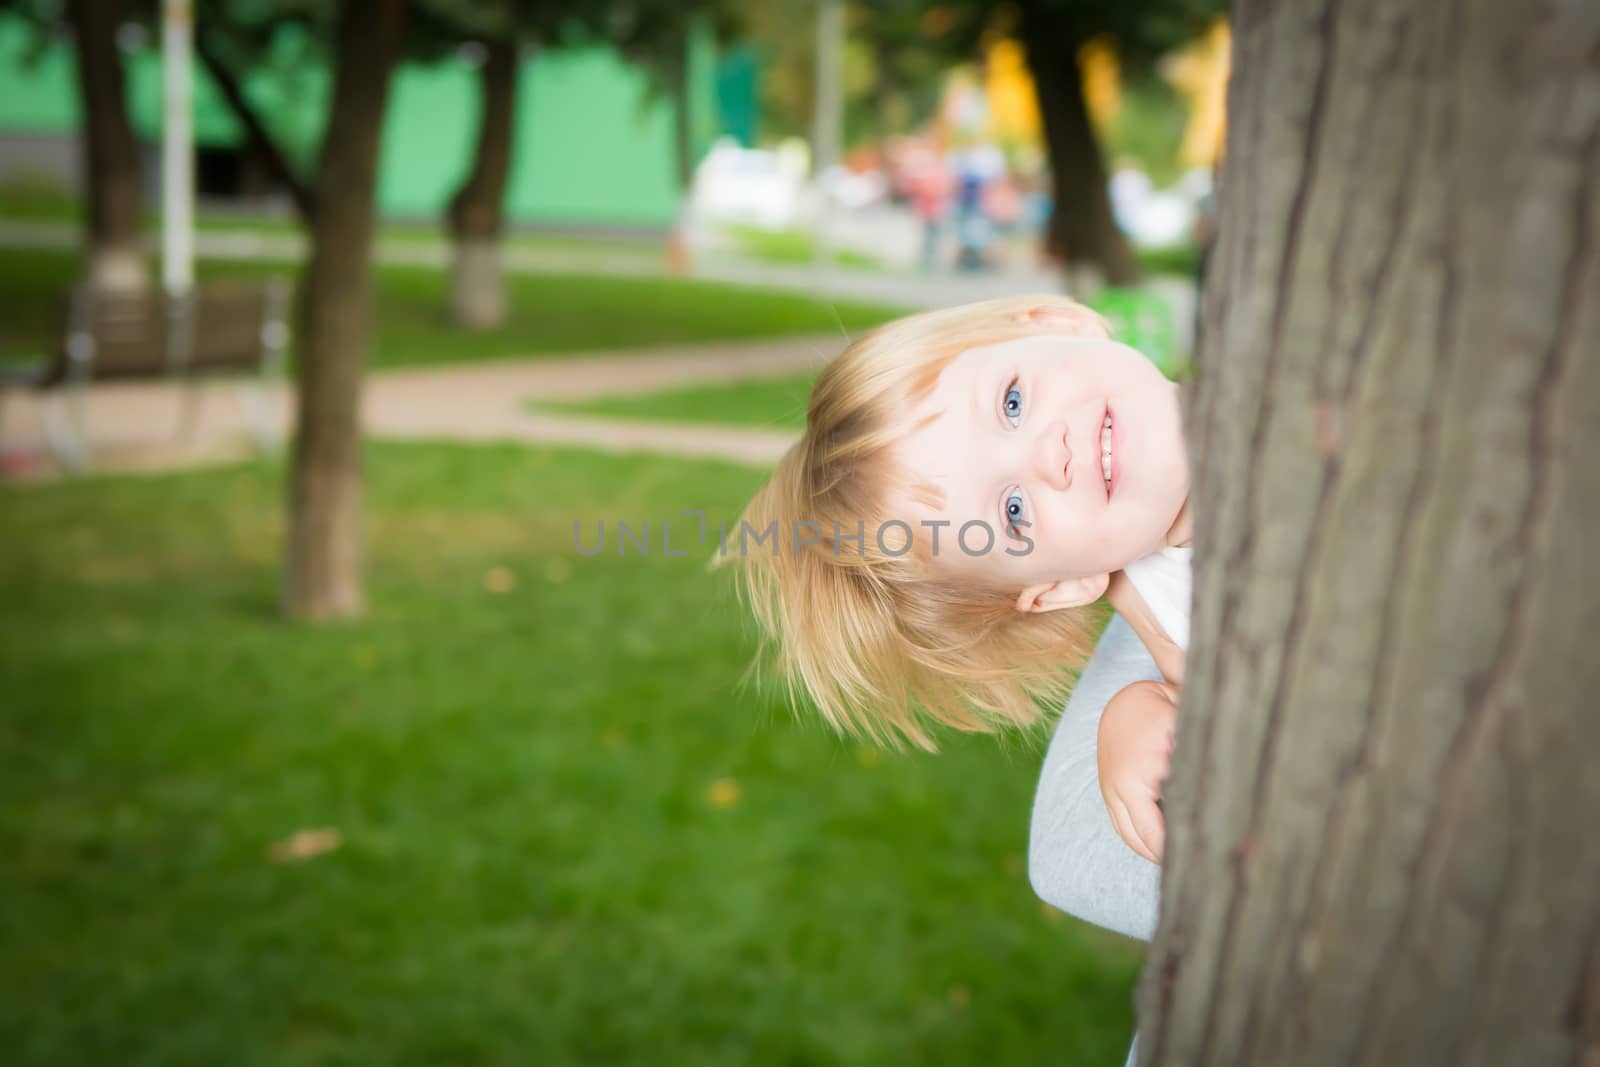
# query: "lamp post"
177,147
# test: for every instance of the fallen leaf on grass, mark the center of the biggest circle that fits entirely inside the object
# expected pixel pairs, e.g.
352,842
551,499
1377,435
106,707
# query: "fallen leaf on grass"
499,580
303,845
723,793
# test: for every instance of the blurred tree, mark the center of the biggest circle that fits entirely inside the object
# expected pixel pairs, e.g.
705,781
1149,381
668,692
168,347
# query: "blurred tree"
1381,842
232,38
494,37
905,69
893,68
1082,230
324,570
113,172
1054,32
655,35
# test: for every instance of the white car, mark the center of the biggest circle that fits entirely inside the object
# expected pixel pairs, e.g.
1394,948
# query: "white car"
751,185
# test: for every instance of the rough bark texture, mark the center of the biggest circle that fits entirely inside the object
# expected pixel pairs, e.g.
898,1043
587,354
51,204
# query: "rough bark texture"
323,579
1084,231
1381,844
112,172
477,211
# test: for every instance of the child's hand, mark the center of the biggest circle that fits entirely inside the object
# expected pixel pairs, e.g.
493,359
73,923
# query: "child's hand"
1135,750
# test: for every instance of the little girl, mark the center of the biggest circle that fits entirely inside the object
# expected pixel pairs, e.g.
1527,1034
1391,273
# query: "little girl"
970,483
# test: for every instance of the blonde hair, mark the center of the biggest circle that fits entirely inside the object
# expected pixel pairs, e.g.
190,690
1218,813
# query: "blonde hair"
884,644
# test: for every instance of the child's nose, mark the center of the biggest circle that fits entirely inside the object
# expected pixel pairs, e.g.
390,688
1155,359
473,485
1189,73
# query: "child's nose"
1053,456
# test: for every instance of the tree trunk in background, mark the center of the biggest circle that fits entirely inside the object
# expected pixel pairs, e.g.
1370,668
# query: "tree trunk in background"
677,77
112,170
477,211
1083,229
1381,844
323,578
884,88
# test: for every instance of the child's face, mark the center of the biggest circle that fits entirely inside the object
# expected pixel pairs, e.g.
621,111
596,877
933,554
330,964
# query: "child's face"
1017,435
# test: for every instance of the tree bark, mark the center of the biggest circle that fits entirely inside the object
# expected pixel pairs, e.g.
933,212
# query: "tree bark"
323,578
1381,844
112,172
477,212
1083,229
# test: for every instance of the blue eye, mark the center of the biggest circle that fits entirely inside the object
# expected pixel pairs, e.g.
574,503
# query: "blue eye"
1013,510
1013,404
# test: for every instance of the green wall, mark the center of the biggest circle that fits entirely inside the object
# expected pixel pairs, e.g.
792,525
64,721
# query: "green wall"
592,145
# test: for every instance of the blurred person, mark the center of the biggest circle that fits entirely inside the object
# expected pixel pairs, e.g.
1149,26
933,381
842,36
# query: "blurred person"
1002,206
929,186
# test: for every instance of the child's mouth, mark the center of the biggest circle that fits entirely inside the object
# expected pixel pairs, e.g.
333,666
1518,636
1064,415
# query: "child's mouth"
1106,469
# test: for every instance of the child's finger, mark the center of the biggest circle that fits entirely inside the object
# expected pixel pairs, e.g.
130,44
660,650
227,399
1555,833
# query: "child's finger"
1150,825
1123,822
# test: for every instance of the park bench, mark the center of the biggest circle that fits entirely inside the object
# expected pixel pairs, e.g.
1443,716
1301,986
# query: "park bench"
234,328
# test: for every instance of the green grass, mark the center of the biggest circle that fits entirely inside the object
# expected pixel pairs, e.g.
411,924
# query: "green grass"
549,313
793,246
778,403
1182,260
533,868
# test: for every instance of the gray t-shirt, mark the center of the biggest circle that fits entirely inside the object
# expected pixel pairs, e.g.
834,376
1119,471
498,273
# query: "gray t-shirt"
1076,861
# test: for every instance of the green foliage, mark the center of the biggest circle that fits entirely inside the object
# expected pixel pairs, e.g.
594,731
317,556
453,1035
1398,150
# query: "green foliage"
1182,260
1149,128
565,834
1143,321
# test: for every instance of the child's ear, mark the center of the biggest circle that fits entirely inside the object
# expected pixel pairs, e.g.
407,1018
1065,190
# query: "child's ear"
1066,593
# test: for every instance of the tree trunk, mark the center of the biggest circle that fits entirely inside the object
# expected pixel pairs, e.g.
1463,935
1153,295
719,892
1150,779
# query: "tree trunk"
884,89
323,579
112,172
1381,844
477,211
1083,230
677,75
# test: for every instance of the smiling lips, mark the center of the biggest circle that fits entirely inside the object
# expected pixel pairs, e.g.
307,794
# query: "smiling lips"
1105,451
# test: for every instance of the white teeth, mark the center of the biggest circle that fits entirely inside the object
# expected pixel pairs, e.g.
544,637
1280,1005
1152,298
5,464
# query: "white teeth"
1105,452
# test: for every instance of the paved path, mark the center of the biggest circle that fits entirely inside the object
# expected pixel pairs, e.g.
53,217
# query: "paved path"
146,425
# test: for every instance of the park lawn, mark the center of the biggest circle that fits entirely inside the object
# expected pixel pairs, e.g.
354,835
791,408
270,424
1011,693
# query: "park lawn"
793,246
775,403
550,313
566,834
